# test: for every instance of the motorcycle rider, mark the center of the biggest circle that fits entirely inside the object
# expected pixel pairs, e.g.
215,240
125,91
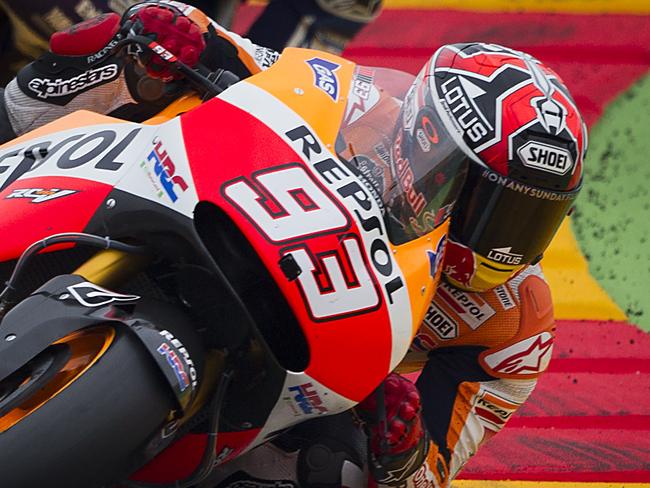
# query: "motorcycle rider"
489,330
327,25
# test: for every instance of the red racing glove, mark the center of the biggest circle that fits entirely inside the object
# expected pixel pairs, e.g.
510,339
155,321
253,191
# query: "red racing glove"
172,30
398,443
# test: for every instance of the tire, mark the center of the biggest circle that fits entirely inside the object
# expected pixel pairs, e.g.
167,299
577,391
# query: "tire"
89,433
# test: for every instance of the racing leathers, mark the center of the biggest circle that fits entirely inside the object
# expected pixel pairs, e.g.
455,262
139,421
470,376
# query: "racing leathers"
478,354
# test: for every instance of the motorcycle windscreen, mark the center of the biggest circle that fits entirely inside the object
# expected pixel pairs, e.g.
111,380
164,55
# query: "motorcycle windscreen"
405,156
507,221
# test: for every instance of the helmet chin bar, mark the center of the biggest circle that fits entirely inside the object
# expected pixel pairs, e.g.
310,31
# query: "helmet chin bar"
487,275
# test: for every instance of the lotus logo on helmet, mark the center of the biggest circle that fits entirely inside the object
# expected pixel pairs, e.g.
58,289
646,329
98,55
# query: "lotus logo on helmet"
459,95
545,157
505,255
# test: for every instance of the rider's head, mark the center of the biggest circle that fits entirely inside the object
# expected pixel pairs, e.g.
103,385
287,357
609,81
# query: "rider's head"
516,122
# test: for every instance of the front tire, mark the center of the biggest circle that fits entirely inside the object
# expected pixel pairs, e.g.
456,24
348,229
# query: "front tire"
83,428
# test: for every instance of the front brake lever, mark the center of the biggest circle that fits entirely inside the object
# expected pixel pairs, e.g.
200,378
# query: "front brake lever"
208,84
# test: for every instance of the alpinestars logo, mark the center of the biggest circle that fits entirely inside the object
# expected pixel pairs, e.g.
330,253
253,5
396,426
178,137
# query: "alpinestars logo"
48,88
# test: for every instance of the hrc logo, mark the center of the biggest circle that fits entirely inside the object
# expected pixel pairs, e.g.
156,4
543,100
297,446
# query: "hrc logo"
176,365
307,398
165,170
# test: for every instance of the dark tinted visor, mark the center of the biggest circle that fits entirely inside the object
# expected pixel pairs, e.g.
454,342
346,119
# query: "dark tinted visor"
507,221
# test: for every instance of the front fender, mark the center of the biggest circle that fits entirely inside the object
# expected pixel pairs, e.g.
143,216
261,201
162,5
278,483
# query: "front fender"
68,303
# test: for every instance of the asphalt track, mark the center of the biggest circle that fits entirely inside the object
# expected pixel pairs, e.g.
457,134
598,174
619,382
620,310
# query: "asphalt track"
588,422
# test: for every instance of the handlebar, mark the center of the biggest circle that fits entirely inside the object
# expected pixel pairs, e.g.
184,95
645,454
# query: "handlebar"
207,83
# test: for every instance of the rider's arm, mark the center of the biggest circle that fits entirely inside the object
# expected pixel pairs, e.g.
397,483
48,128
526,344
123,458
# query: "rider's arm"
79,72
471,388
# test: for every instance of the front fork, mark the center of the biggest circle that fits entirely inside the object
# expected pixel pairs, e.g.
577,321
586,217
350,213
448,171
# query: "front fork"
111,267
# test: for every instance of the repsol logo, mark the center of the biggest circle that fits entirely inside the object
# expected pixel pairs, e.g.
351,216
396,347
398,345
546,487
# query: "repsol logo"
469,307
545,157
502,413
81,153
359,201
463,110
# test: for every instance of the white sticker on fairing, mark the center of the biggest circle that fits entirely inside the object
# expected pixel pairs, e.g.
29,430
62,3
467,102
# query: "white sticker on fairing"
161,172
349,190
360,105
101,153
302,398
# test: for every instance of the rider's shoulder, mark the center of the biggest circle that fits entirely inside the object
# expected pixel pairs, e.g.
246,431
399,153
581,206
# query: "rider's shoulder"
527,353
519,309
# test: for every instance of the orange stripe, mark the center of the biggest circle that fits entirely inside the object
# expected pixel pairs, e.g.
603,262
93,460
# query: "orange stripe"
576,295
243,56
81,118
462,408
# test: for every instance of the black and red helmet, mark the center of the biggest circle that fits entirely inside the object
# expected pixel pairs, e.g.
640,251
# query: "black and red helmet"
516,121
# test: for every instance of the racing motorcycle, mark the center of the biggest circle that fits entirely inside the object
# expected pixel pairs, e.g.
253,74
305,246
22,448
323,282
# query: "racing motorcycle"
217,273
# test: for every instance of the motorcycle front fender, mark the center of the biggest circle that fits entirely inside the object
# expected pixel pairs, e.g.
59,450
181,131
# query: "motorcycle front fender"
68,303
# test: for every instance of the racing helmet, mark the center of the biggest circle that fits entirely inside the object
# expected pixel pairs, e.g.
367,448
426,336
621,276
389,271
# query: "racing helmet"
518,125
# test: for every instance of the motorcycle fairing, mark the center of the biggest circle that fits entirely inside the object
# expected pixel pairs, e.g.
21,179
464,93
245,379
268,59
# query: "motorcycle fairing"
285,207
59,308
84,162
293,84
342,248
32,208
56,182
277,176
160,171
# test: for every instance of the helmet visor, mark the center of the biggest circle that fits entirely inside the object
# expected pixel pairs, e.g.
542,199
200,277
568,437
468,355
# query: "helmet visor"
400,148
507,222
428,174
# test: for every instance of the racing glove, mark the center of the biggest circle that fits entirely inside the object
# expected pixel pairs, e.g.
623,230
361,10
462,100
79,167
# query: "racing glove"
172,30
397,440
82,71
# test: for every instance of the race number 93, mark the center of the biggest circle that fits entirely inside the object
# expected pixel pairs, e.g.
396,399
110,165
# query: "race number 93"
289,207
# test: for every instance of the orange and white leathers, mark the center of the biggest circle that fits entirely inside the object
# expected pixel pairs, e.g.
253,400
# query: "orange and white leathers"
479,356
